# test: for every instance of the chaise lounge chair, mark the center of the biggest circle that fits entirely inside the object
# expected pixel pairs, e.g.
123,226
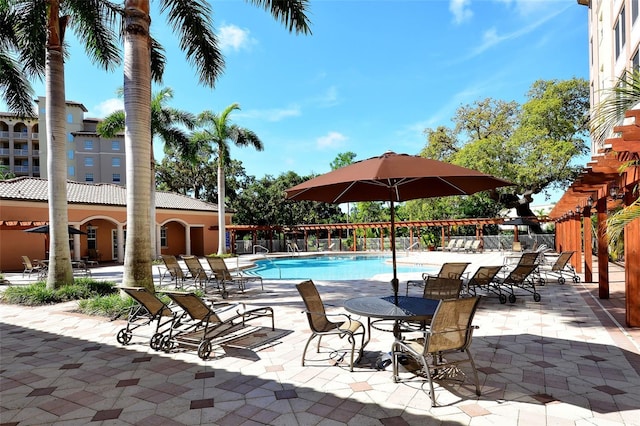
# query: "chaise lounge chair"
223,276
210,325
448,270
560,268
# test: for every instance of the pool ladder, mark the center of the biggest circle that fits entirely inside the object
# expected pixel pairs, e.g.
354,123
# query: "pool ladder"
264,254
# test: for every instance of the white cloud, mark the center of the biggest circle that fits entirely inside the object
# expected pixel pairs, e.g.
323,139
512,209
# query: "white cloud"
235,38
105,108
461,10
328,98
331,140
272,115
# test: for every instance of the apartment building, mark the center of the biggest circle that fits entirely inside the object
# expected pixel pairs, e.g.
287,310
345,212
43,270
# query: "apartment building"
90,158
614,39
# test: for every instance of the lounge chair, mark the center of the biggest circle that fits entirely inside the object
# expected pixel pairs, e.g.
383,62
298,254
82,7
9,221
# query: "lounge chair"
449,334
31,267
465,247
147,310
321,325
458,245
483,279
520,277
475,246
450,245
223,276
560,268
210,325
196,271
448,270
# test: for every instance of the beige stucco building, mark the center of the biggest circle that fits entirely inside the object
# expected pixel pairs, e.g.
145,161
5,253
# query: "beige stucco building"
183,225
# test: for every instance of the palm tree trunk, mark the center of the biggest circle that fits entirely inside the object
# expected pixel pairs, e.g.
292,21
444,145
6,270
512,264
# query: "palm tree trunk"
60,272
222,240
137,108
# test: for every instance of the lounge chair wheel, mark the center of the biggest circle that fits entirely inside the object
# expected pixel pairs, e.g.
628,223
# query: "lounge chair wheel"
225,294
512,298
561,280
576,279
156,341
503,299
124,337
542,281
165,344
536,297
204,349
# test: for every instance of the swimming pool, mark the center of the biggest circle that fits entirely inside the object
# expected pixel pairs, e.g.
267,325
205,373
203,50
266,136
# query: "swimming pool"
332,267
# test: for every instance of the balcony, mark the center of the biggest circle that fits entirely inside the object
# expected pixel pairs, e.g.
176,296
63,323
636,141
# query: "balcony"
34,136
20,135
4,134
20,152
4,151
21,169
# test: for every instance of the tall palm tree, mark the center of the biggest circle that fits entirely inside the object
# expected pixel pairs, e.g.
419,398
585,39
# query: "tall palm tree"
217,132
610,112
40,27
191,21
164,123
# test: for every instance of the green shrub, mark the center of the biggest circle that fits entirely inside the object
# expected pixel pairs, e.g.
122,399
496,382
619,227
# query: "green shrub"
112,305
38,294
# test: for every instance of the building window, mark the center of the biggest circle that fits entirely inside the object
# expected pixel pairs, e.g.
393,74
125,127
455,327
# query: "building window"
115,145
69,118
88,161
88,177
69,138
635,61
88,145
619,33
116,177
70,154
115,162
634,10
91,237
163,236
71,170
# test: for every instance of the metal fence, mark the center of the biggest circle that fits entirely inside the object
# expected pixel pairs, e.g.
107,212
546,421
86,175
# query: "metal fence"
490,243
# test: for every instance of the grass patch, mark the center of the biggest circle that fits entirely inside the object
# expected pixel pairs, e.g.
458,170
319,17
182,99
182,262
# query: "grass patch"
38,294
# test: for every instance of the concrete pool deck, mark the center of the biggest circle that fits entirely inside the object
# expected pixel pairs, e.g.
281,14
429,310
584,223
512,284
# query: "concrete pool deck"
561,361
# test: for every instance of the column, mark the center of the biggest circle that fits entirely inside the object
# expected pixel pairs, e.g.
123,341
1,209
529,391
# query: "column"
187,239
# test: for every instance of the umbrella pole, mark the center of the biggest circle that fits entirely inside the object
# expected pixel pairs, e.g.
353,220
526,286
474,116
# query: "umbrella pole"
394,280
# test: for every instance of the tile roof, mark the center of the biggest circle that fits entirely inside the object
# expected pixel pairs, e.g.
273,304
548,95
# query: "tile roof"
35,189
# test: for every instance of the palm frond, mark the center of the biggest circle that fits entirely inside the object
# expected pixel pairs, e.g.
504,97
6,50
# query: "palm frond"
292,13
616,101
191,20
617,221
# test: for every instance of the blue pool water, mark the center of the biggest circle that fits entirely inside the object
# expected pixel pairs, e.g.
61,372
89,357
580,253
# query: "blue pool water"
345,267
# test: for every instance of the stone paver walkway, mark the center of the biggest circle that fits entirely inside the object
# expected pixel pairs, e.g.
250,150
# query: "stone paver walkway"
559,361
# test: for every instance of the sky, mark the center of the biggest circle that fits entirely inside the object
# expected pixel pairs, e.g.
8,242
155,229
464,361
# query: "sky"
372,76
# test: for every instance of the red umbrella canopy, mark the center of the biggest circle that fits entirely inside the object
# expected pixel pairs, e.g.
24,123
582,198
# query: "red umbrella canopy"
394,177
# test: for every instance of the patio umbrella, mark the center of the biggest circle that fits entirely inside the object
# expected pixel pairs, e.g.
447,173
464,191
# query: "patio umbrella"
44,229
394,178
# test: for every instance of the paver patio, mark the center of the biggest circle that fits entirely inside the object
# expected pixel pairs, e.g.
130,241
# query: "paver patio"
560,361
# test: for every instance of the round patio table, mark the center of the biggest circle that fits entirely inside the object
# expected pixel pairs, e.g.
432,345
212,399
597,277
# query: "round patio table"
408,309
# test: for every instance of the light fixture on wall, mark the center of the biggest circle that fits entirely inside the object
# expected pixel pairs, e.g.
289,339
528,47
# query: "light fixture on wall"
589,201
578,210
615,193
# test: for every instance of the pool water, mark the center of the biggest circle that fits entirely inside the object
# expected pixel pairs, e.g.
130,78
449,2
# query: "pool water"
345,267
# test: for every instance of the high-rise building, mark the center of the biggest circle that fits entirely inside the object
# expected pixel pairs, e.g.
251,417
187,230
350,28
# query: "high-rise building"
90,158
614,38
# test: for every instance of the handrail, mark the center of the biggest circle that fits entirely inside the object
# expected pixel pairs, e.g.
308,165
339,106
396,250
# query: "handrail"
417,243
266,250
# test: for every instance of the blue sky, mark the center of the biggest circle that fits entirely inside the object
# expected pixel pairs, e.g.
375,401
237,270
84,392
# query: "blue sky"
372,76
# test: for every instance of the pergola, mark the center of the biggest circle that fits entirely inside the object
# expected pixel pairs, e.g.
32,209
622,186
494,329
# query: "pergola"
414,227
602,186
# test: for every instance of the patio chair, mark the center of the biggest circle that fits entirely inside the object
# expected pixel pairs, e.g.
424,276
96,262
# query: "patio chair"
560,268
437,288
483,279
31,267
196,271
466,246
321,325
448,270
475,246
223,277
516,246
174,271
147,310
520,277
449,334
450,245
210,325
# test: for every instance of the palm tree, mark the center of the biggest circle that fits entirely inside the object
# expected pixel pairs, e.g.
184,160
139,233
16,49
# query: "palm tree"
40,27
191,21
164,123
217,132
610,112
